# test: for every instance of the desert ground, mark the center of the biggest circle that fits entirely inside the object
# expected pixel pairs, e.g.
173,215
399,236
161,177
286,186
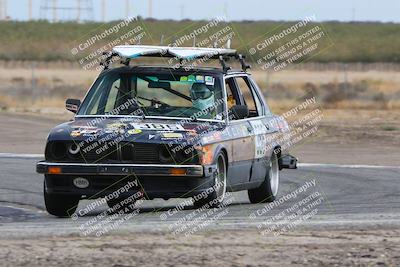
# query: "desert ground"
377,247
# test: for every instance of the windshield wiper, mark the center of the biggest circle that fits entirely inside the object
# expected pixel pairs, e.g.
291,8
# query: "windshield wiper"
153,100
139,107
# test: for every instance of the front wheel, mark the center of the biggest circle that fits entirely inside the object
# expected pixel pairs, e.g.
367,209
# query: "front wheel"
59,205
268,190
216,196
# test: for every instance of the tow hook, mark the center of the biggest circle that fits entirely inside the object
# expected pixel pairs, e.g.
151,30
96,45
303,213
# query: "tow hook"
288,162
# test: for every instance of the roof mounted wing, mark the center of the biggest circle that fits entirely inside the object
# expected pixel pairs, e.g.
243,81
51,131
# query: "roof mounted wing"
128,52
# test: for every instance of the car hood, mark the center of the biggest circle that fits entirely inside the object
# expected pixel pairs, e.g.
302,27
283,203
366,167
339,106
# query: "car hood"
135,130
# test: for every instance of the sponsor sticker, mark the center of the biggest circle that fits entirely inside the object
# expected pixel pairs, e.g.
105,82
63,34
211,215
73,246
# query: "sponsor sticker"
116,126
260,131
200,78
75,133
158,126
134,131
89,131
209,80
172,135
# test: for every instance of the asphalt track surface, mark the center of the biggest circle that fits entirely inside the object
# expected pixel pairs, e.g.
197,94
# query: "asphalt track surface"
351,196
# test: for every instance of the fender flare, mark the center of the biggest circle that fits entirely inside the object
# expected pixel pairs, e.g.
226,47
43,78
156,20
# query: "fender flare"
217,150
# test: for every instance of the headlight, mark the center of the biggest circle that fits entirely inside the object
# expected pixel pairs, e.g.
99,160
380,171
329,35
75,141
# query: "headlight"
164,154
58,150
177,155
73,149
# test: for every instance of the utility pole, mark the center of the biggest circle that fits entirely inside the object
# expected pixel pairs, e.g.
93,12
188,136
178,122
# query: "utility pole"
150,8
78,11
54,10
127,8
3,9
182,12
103,10
29,9
226,9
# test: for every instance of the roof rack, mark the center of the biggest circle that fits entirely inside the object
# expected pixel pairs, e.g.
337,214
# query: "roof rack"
128,52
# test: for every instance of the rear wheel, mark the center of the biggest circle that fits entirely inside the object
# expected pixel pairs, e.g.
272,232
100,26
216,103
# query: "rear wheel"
59,205
215,197
268,190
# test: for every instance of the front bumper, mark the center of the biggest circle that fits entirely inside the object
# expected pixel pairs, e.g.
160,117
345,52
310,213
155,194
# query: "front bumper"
123,169
155,180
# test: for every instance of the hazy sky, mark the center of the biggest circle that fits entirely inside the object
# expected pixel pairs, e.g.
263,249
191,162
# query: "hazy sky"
343,10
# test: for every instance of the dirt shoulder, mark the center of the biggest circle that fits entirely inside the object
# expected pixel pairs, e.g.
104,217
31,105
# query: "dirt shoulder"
216,248
26,133
353,137
343,136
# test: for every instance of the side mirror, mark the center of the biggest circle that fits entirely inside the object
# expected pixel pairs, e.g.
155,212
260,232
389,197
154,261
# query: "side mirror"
240,112
72,105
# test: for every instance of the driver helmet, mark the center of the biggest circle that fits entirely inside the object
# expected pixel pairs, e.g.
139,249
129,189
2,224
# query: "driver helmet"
202,97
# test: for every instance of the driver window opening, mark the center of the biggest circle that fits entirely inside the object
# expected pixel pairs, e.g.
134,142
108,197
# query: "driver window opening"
247,96
232,95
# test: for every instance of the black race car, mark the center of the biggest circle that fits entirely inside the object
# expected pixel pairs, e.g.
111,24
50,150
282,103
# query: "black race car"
169,132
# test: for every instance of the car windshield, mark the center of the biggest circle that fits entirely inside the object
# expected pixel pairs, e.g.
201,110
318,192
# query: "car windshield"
196,96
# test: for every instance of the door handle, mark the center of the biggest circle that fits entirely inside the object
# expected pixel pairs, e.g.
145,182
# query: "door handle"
249,129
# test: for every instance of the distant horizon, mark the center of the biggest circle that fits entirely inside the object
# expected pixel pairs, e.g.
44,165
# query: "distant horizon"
179,20
384,11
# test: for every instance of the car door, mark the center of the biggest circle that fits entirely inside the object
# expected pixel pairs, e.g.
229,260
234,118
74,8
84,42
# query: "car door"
267,118
260,128
241,139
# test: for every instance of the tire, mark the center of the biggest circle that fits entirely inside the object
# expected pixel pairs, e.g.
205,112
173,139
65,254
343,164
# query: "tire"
59,205
216,197
268,190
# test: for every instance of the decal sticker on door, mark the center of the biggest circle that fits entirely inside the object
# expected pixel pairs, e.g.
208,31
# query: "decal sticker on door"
260,140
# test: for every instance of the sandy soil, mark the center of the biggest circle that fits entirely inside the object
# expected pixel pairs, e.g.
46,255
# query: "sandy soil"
354,137
217,248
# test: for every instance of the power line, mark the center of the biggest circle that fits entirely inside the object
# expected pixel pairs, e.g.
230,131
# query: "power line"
83,10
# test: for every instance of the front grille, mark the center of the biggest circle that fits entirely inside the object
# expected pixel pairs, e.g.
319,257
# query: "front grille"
139,152
126,152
